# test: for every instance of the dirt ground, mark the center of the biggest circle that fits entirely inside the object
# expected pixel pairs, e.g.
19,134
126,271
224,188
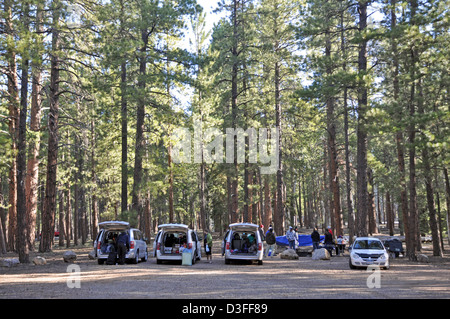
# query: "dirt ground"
275,279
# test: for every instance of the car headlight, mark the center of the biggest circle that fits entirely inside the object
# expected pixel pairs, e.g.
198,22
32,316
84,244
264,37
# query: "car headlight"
384,256
355,256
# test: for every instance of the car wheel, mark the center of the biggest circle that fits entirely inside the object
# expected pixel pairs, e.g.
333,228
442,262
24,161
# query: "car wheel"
136,258
158,261
350,264
260,262
227,261
100,261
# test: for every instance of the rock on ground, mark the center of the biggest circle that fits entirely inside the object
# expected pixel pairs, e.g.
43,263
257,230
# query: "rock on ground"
91,255
69,256
423,258
321,254
289,254
39,260
10,262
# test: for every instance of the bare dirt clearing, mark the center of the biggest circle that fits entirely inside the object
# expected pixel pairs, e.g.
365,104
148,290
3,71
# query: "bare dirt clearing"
276,278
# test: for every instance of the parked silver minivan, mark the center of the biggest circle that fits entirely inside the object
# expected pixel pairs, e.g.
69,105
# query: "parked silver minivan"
111,229
244,241
172,239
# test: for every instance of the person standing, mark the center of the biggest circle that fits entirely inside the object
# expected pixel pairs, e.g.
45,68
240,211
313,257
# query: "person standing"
290,235
315,236
270,241
208,246
329,241
123,246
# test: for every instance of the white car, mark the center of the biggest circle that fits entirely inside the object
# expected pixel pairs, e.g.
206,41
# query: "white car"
110,230
172,239
244,241
366,251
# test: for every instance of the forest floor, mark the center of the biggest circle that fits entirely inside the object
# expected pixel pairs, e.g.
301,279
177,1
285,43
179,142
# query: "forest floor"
275,279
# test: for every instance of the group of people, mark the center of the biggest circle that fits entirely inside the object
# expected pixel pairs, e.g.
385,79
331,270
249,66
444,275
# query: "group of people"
292,237
329,243
117,248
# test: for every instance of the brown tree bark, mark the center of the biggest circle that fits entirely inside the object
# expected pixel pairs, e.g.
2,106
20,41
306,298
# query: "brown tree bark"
21,239
361,157
136,204
48,214
332,153
32,178
13,101
267,203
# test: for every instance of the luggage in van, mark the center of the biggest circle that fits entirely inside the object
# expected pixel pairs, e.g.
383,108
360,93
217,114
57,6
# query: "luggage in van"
112,255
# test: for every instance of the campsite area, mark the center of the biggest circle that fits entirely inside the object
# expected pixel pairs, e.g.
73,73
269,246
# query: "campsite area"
276,279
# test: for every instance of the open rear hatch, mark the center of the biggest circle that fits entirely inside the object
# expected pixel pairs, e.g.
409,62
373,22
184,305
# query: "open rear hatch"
243,239
174,238
114,225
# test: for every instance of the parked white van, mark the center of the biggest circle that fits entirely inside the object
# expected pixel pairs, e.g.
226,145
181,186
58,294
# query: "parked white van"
244,241
110,230
172,239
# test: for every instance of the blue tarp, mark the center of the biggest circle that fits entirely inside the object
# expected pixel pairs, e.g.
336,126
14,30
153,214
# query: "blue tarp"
303,240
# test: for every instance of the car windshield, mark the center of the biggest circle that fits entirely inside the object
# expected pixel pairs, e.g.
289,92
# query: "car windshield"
368,244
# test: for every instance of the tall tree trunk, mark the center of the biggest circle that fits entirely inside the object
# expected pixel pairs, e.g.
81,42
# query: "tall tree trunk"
300,214
32,179
148,217
389,214
48,215
94,203
234,95
373,229
267,203
279,213
248,198
171,208
140,141
412,241
61,226
124,124
336,215
68,217
399,140
2,232
124,115
13,101
428,181
447,200
21,240
361,157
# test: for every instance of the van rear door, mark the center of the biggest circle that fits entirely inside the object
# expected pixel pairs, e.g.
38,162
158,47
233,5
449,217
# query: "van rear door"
114,225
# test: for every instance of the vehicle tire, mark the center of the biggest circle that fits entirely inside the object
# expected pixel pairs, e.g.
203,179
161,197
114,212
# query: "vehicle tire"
260,262
227,261
100,261
136,258
158,261
350,264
